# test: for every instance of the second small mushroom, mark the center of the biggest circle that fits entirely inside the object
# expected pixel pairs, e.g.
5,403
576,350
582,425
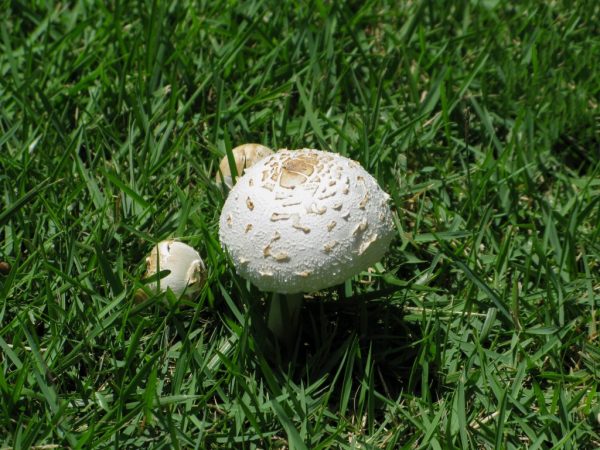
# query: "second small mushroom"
244,156
186,270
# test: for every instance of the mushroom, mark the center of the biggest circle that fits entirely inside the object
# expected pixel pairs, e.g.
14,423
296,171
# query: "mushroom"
187,272
244,156
4,268
304,220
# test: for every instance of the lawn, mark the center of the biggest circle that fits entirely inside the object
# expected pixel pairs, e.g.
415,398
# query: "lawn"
477,329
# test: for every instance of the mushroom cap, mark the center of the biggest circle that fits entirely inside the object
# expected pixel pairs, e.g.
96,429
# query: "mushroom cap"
187,270
4,268
304,220
245,155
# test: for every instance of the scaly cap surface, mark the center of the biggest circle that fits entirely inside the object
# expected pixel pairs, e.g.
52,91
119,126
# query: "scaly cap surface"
304,220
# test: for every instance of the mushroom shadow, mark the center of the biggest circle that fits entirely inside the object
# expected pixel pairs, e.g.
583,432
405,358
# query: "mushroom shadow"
368,332
578,147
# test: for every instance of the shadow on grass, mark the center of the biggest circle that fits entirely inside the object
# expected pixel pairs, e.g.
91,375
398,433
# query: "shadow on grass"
355,343
578,148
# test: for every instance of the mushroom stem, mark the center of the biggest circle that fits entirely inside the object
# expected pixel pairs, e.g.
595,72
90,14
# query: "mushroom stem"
284,310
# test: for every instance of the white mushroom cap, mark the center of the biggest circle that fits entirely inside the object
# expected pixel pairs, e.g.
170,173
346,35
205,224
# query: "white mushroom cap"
304,220
245,155
187,270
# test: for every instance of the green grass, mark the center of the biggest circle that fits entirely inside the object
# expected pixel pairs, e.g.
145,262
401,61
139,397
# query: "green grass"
478,329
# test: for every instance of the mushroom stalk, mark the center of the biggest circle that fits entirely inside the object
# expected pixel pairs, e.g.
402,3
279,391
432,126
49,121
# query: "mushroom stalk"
283,315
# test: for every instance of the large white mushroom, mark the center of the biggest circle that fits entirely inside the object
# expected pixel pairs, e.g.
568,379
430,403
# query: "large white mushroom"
244,155
304,220
187,272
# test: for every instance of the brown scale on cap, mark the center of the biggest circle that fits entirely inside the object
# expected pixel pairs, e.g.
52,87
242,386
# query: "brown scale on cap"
329,246
362,226
297,225
267,250
291,203
279,216
281,257
314,209
294,171
364,201
290,179
367,243
328,195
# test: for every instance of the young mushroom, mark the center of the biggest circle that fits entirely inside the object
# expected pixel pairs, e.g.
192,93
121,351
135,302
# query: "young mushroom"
4,268
244,156
187,272
304,220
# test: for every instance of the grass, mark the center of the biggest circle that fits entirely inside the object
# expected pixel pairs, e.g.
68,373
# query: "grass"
478,329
